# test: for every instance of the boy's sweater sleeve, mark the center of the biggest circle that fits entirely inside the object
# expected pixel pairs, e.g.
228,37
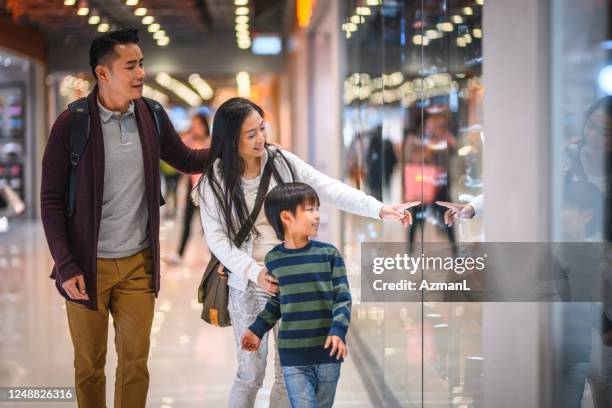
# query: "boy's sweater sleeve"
342,298
269,316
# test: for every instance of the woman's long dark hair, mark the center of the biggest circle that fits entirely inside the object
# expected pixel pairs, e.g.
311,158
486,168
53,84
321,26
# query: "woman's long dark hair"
227,189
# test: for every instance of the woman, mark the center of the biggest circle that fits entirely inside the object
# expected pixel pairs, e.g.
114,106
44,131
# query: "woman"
198,138
228,188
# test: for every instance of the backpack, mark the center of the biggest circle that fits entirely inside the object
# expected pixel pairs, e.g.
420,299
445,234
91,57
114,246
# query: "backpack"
79,136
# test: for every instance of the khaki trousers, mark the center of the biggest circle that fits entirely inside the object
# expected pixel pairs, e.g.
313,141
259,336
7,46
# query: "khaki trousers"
125,289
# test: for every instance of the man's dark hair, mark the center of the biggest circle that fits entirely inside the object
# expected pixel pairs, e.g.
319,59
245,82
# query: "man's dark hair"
102,47
287,197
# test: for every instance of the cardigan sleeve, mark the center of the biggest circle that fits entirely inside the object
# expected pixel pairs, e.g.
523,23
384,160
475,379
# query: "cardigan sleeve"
54,182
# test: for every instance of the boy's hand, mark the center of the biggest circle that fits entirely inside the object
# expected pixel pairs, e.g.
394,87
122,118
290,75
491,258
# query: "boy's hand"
337,345
249,341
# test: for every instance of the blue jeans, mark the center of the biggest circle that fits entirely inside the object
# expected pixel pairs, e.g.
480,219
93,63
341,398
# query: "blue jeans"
312,386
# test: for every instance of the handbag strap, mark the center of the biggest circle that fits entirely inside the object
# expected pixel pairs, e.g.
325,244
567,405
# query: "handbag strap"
259,200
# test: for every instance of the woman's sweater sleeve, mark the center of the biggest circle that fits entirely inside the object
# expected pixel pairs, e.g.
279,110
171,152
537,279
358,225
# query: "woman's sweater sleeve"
233,258
335,192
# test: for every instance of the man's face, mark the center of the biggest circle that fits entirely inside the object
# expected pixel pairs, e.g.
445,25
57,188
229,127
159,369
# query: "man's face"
123,75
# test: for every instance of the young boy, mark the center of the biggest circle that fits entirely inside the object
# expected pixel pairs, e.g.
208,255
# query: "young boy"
314,299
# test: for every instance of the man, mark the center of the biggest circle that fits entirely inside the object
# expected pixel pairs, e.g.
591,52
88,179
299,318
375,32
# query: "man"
107,253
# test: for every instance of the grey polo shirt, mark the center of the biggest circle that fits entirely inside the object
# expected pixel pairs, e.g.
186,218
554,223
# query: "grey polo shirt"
124,226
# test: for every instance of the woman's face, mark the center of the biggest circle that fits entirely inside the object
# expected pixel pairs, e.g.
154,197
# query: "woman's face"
598,131
252,137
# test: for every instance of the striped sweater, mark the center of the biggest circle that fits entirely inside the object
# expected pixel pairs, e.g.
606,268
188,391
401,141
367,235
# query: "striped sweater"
314,302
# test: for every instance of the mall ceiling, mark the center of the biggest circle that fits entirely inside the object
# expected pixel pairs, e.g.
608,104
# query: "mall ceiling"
201,33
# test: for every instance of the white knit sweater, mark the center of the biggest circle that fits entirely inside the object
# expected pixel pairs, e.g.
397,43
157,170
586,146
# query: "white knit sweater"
240,261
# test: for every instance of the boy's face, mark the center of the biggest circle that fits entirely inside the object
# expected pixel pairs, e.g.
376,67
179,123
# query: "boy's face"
305,221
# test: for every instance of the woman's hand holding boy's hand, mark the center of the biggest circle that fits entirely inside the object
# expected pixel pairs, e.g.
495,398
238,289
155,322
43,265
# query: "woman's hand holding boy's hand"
267,282
337,345
249,341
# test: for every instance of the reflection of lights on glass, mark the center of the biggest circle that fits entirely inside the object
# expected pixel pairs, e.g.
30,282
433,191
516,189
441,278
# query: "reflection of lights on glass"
154,27
605,79
433,34
140,11
461,42
468,11
104,27
468,38
445,27
480,2
93,20
364,11
357,19
477,32
146,20
457,19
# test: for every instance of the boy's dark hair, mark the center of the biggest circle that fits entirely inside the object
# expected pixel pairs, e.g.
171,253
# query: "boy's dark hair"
102,47
287,197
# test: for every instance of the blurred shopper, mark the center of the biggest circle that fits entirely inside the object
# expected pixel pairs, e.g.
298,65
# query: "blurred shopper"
381,161
198,138
228,187
312,363
106,253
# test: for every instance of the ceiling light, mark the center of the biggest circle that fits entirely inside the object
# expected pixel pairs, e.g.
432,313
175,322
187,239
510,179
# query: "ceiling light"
104,27
242,11
480,2
461,42
364,11
94,19
242,19
241,2
267,45
357,19
477,33
180,89
140,11
154,27
131,2
241,27
468,38
163,41
159,34
244,84
350,27
243,34
468,11
200,85
83,10
69,2
373,2
146,20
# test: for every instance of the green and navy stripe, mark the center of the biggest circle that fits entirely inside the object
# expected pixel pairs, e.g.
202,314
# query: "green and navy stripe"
314,302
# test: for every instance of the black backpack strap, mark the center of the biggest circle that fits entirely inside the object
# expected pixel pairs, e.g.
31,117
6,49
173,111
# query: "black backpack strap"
79,136
156,110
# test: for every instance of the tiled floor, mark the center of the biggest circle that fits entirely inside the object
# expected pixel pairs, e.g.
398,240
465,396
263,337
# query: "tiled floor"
191,364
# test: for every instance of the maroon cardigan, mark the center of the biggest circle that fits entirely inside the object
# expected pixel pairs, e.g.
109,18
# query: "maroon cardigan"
74,242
